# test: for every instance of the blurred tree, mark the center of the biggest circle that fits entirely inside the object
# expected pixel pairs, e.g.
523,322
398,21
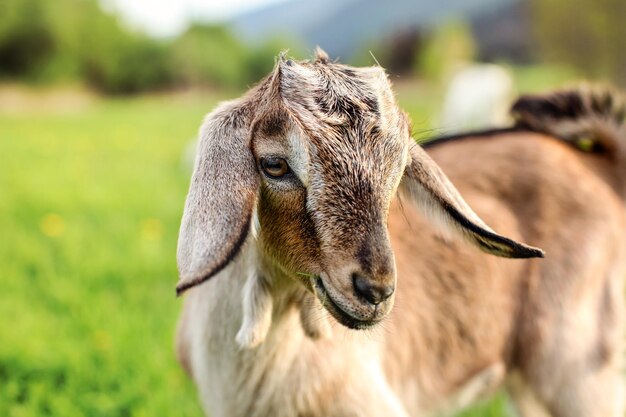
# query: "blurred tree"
589,34
396,53
209,54
116,60
212,55
403,48
47,41
26,42
371,52
449,46
68,39
260,60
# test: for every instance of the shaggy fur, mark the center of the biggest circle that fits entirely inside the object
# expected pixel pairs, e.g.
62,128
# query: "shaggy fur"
257,337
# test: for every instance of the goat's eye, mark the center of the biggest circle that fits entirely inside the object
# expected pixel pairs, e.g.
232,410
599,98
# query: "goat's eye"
274,167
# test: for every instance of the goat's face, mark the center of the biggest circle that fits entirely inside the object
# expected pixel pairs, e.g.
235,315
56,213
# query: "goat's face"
317,151
331,155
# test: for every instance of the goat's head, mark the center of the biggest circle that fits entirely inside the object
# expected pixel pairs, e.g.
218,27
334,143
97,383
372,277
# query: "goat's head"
314,154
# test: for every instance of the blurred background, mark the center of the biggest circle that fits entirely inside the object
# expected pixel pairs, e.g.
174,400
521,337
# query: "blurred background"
99,105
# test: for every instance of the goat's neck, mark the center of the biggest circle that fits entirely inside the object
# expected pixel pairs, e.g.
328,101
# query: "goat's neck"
227,320
255,294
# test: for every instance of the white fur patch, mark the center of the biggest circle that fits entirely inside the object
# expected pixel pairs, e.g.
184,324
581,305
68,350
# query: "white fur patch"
299,156
257,312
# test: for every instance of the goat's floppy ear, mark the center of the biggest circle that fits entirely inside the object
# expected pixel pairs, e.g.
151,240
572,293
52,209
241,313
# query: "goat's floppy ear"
432,191
222,195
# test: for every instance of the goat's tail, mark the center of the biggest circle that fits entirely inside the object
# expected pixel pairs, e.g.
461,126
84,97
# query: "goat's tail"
593,118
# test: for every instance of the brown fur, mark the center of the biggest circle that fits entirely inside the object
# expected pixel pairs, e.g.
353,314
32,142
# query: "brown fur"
545,318
463,319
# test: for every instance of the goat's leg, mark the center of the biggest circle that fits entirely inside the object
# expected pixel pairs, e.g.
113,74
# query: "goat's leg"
382,402
524,400
597,394
480,386
574,365
389,404
371,396
591,383
580,382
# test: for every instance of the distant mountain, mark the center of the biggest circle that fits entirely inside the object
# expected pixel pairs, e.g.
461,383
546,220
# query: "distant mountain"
292,18
341,27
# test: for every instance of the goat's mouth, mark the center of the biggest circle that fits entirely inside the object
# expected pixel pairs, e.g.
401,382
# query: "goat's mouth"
337,312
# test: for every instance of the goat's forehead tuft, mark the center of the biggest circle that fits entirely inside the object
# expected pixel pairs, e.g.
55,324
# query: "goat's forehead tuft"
326,95
321,77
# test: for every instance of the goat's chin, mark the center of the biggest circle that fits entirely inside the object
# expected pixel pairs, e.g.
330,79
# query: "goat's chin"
344,317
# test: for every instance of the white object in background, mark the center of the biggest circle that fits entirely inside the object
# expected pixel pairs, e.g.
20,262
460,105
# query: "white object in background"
478,96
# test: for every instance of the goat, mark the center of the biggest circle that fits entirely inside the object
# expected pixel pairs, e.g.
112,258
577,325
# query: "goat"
292,225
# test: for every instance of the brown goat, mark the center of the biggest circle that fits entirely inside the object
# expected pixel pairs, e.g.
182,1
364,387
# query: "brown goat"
293,206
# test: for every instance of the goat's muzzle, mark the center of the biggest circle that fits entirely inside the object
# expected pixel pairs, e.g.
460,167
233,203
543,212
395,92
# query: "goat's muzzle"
364,304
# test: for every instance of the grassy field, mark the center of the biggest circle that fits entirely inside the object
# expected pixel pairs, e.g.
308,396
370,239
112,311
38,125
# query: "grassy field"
90,203
91,194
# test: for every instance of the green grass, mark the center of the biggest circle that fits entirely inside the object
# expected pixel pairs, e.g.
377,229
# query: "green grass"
90,204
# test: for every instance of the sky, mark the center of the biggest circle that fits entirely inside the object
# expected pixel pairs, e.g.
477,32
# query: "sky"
165,18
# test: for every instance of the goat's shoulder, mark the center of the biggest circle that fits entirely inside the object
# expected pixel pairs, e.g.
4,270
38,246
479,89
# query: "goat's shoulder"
562,198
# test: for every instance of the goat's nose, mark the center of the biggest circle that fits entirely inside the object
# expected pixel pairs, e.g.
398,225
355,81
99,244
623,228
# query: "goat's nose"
373,292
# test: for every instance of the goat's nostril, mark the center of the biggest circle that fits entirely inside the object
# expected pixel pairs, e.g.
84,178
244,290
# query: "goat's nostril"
372,292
